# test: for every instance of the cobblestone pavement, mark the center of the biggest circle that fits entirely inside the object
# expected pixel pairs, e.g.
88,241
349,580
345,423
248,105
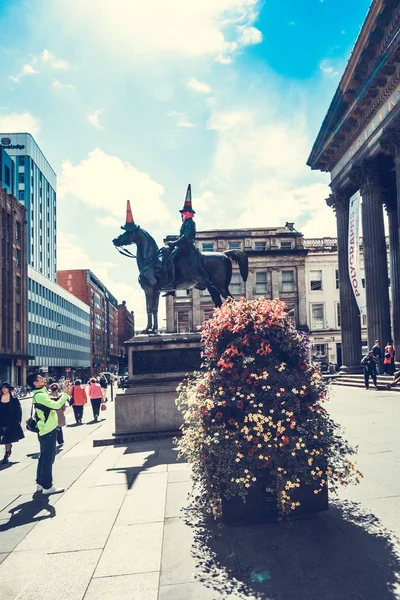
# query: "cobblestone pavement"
120,530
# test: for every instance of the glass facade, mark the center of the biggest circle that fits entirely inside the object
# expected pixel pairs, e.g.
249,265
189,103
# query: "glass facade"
35,186
58,325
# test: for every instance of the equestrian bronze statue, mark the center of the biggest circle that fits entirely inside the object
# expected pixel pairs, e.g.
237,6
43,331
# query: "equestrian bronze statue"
179,265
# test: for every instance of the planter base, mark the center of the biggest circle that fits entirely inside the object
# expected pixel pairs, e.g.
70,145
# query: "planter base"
260,506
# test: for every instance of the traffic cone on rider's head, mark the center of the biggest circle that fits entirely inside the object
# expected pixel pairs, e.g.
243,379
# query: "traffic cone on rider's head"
130,223
187,207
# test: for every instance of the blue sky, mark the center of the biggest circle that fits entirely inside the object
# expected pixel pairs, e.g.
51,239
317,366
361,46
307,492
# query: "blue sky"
135,100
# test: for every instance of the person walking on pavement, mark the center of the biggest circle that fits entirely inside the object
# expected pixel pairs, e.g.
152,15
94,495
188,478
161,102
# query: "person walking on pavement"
103,382
377,351
10,420
388,360
55,394
369,366
47,423
96,398
79,399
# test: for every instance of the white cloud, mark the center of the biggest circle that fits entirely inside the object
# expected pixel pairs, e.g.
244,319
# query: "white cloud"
94,118
109,221
105,182
181,28
46,58
19,122
185,123
327,69
250,36
57,86
182,120
53,62
198,86
26,70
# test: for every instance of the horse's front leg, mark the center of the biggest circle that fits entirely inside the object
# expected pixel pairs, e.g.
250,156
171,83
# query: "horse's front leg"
149,309
156,299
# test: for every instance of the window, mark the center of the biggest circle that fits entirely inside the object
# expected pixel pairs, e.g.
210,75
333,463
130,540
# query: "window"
182,321
338,314
234,245
315,281
97,300
18,312
21,161
18,340
98,340
286,245
337,278
209,247
235,285
262,282
207,313
287,281
181,293
21,178
317,316
18,257
17,230
98,321
320,350
18,284
259,246
7,178
364,321
21,195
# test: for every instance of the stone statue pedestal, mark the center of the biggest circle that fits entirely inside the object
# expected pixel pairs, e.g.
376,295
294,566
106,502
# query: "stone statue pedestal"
156,366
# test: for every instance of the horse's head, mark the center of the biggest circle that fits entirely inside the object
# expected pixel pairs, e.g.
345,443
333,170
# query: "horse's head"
128,237
130,230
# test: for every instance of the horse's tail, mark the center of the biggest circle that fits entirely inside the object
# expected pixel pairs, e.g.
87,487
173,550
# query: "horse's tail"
239,257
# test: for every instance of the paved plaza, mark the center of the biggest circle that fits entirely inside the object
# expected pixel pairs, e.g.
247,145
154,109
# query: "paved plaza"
121,531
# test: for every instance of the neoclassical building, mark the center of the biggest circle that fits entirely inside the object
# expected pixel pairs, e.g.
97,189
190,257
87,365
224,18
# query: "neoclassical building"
359,145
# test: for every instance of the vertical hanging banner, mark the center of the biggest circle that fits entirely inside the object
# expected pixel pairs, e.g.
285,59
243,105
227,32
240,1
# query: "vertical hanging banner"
354,253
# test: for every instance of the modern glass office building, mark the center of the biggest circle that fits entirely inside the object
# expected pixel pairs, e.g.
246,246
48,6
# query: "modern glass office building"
58,327
35,187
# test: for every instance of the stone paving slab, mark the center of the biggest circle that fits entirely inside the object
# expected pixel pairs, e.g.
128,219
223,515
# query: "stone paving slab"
141,586
132,549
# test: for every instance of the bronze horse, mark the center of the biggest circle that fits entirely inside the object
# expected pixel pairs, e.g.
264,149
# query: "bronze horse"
154,278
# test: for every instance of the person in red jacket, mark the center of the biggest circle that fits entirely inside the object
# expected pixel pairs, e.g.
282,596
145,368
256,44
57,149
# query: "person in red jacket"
79,399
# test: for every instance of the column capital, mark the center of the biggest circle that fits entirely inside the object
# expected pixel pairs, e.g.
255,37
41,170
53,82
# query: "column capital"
338,200
390,141
365,174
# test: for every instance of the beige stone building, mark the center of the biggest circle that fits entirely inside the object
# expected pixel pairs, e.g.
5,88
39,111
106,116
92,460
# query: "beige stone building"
276,270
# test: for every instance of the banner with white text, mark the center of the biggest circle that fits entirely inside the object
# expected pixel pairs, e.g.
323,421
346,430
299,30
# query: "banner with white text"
354,253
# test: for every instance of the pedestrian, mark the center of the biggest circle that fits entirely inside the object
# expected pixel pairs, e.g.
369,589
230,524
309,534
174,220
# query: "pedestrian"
395,380
47,423
96,397
10,420
388,360
377,351
79,399
103,382
55,394
369,366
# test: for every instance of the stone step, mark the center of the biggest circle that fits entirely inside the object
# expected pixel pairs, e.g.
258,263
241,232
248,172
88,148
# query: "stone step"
360,384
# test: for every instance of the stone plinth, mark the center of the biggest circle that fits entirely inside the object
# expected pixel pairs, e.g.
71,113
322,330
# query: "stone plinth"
156,366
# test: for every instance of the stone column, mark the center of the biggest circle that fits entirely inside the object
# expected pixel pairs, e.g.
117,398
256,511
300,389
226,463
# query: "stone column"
275,282
366,176
302,296
169,306
350,317
394,250
196,311
390,143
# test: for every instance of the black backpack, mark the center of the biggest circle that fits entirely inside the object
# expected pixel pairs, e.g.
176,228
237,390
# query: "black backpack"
32,422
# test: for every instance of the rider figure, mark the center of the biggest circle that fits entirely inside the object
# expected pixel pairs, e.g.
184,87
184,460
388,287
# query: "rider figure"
184,245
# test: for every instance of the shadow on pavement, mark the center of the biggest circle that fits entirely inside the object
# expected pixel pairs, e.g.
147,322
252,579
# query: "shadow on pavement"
29,512
341,555
162,452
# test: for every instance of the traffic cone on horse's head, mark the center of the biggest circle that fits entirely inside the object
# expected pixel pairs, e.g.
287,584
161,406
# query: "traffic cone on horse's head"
187,207
130,223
